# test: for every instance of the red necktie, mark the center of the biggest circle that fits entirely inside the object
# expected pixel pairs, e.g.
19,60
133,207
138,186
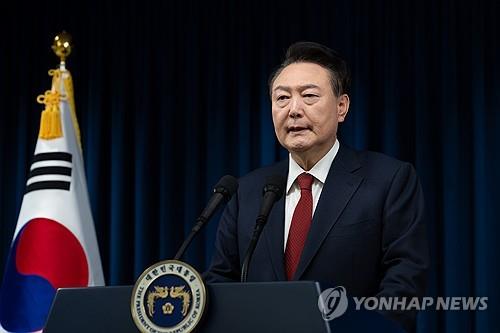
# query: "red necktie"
301,221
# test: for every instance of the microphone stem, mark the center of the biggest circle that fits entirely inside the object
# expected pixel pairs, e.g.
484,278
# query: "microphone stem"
199,223
259,226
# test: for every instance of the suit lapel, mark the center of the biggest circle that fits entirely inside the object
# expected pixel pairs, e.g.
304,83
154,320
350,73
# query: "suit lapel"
274,229
339,187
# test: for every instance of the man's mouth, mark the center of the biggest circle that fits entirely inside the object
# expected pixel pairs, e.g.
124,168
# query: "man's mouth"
296,129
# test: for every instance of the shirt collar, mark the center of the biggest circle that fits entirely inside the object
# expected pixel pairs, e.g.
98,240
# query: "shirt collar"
318,171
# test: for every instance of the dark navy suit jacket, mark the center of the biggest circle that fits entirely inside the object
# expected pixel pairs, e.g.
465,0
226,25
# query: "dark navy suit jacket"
367,232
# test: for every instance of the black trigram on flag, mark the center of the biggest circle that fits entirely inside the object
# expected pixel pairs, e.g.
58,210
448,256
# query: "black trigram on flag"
50,171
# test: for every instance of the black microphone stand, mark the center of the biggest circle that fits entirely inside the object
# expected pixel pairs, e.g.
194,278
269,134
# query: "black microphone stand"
272,193
223,191
199,223
259,226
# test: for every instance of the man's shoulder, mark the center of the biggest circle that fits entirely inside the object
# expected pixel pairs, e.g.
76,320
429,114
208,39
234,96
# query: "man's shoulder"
374,157
259,176
375,163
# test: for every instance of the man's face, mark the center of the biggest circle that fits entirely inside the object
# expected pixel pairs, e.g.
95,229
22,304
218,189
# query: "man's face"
305,110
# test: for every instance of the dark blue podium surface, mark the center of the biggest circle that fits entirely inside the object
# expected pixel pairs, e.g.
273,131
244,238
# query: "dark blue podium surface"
94,309
288,307
232,307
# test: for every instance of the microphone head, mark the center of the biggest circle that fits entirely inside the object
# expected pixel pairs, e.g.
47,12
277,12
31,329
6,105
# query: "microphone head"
226,186
275,184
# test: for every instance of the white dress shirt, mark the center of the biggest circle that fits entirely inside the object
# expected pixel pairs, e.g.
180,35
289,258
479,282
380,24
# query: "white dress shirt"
319,171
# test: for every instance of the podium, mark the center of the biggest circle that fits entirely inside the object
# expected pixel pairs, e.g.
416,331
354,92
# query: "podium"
290,307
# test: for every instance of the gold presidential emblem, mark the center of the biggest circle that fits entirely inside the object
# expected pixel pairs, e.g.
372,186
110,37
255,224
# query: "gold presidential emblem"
168,297
162,293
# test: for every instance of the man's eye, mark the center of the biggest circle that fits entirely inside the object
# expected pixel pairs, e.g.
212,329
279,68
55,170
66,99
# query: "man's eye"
310,98
282,98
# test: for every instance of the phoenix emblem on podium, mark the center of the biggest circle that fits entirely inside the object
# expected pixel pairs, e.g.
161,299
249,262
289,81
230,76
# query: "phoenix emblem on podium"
163,293
168,297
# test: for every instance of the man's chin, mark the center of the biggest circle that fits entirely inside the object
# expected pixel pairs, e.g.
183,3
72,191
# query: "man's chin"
298,148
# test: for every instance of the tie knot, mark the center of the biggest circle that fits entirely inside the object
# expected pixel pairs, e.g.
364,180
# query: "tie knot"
305,181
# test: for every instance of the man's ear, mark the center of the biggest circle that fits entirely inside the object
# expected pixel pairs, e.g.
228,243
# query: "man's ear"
342,107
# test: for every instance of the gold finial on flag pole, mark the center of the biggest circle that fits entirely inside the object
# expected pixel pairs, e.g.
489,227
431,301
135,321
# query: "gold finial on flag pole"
62,45
62,90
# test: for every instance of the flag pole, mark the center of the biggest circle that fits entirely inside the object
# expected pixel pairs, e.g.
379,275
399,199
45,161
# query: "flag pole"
62,88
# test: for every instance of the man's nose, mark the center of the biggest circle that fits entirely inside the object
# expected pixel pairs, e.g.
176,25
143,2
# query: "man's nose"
296,108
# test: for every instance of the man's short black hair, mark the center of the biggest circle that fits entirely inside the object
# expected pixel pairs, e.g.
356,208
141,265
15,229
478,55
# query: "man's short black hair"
340,75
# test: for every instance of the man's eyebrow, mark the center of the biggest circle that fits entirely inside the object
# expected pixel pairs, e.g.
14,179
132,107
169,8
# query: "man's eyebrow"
285,88
300,88
308,86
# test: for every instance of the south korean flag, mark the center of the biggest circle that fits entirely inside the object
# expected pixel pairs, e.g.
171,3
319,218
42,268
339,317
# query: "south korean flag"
54,244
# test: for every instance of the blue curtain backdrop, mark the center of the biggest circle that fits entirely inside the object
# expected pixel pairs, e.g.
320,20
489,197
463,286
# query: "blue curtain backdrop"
171,95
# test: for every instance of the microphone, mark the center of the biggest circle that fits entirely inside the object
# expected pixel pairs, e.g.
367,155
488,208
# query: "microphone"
223,191
272,192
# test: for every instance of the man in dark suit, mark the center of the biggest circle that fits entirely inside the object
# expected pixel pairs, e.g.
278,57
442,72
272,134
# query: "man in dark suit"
347,218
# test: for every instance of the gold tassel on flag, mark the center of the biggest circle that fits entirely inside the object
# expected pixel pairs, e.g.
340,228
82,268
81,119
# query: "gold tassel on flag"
50,123
62,89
